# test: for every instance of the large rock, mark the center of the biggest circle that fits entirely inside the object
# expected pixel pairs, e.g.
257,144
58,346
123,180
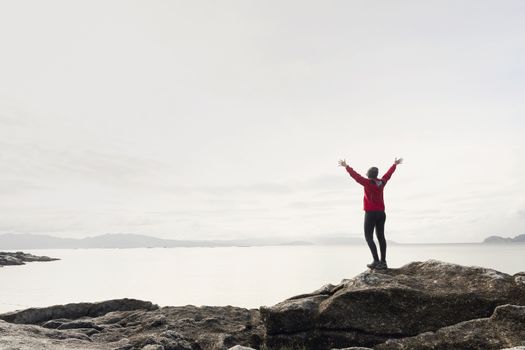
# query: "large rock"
184,328
145,326
75,310
395,303
505,328
30,337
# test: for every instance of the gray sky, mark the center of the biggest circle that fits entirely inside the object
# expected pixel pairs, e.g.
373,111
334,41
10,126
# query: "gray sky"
208,119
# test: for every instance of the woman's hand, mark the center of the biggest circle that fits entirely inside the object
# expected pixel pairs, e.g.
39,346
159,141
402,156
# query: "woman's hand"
343,163
398,161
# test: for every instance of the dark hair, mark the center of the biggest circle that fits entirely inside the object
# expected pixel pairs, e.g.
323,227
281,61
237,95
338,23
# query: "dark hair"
372,173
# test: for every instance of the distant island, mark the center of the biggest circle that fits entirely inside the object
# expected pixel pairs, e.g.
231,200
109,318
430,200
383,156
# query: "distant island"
504,240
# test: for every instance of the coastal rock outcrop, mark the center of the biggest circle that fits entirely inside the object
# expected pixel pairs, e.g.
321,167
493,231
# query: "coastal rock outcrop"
20,258
390,304
422,305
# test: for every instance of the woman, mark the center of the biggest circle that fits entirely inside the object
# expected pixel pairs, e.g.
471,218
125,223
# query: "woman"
374,209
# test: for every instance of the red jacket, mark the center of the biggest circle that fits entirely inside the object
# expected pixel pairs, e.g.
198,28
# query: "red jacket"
373,200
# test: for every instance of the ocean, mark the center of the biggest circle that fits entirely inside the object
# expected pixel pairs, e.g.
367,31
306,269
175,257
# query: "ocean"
240,276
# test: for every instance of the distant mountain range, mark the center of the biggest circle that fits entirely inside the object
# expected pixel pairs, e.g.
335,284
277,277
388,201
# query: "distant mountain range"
11,241
499,239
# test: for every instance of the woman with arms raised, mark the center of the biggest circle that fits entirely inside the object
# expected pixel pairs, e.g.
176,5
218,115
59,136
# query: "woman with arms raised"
374,207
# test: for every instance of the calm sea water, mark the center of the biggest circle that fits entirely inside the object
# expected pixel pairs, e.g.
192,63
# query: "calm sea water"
247,277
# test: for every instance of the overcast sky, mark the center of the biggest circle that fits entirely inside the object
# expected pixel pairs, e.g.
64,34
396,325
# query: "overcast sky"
226,119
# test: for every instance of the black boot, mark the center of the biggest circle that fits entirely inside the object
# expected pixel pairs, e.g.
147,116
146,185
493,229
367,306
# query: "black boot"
374,265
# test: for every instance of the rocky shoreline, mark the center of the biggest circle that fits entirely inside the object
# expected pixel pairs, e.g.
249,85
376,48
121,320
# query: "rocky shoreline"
422,305
20,258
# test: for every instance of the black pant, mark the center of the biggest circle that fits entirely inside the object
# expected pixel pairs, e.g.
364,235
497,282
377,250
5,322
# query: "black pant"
376,219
